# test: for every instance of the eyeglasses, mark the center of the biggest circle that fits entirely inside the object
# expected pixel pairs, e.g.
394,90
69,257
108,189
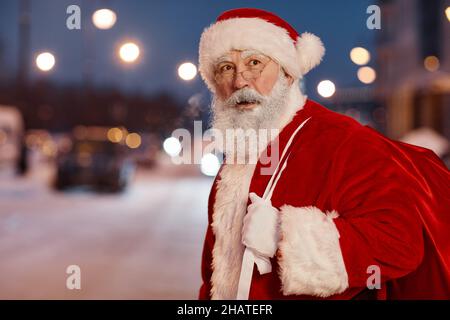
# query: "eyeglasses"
254,66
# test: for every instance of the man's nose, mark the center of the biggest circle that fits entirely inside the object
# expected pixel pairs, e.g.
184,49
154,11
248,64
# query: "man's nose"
239,81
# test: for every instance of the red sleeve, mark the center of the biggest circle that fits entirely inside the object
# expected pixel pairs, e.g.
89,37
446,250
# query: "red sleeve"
205,289
378,199
208,246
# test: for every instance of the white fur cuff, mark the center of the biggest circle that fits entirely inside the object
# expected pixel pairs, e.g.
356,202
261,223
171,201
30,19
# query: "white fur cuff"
311,261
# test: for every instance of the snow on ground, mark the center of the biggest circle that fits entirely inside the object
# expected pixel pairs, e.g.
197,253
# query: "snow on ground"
143,244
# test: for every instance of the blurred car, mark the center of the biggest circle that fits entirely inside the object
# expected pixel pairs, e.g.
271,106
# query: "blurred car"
11,131
99,164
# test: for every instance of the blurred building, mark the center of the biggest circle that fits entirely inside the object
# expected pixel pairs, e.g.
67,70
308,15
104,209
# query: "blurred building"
58,108
361,104
413,52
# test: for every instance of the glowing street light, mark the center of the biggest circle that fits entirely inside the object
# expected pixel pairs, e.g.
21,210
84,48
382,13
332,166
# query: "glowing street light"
366,75
133,140
104,19
447,13
326,88
210,164
129,52
45,61
187,71
115,135
360,56
431,63
172,146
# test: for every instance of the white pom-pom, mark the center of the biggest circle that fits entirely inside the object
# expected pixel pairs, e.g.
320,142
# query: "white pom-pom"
310,51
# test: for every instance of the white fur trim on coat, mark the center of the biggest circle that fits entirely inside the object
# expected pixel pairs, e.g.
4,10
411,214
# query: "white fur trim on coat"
230,207
257,34
310,259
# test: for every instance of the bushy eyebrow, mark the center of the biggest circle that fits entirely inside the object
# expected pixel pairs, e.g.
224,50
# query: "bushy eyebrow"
249,53
222,59
244,55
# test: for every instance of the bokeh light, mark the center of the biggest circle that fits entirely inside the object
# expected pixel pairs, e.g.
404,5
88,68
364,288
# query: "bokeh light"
45,61
104,19
133,140
129,52
360,56
366,75
431,63
210,164
115,135
172,146
187,71
326,88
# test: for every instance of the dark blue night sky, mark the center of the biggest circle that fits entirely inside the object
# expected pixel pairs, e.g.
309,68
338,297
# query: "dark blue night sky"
168,32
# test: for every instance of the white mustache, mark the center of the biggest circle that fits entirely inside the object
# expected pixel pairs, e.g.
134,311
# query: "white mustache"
244,94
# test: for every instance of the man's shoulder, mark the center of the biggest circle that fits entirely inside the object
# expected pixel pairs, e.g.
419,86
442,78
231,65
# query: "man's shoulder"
324,126
328,131
328,121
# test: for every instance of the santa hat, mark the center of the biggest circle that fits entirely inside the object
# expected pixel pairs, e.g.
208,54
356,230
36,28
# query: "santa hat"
255,29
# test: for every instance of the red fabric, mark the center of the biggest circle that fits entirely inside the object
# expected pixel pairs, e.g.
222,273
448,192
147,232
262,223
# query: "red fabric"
260,14
393,200
205,289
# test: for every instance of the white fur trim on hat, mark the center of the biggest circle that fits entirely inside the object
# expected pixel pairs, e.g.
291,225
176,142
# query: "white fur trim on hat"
257,34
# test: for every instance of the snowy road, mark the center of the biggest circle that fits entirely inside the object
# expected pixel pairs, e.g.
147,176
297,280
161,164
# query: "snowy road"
143,244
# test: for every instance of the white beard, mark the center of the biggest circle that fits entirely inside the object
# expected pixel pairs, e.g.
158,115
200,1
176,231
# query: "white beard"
264,121
233,186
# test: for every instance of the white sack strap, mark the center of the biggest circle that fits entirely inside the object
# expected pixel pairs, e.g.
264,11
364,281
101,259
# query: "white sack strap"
288,144
250,258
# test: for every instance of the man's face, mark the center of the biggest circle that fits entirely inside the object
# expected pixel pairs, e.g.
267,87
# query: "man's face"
252,92
245,69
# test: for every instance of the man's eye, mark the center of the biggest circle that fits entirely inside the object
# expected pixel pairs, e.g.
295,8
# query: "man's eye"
254,62
226,68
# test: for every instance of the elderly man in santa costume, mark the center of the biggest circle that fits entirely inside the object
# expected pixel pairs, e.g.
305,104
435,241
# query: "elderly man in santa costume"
343,204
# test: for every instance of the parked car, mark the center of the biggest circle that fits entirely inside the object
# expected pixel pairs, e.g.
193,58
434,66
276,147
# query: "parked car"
95,163
11,136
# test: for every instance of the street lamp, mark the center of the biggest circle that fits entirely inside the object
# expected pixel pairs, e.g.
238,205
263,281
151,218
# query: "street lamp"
115,135
431,63
187,71
366,75
172,146
133,140
104,19
447,13
45,61
129,52
209,164
360,56
326,88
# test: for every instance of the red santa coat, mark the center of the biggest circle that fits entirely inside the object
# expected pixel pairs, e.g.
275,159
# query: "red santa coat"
349,199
